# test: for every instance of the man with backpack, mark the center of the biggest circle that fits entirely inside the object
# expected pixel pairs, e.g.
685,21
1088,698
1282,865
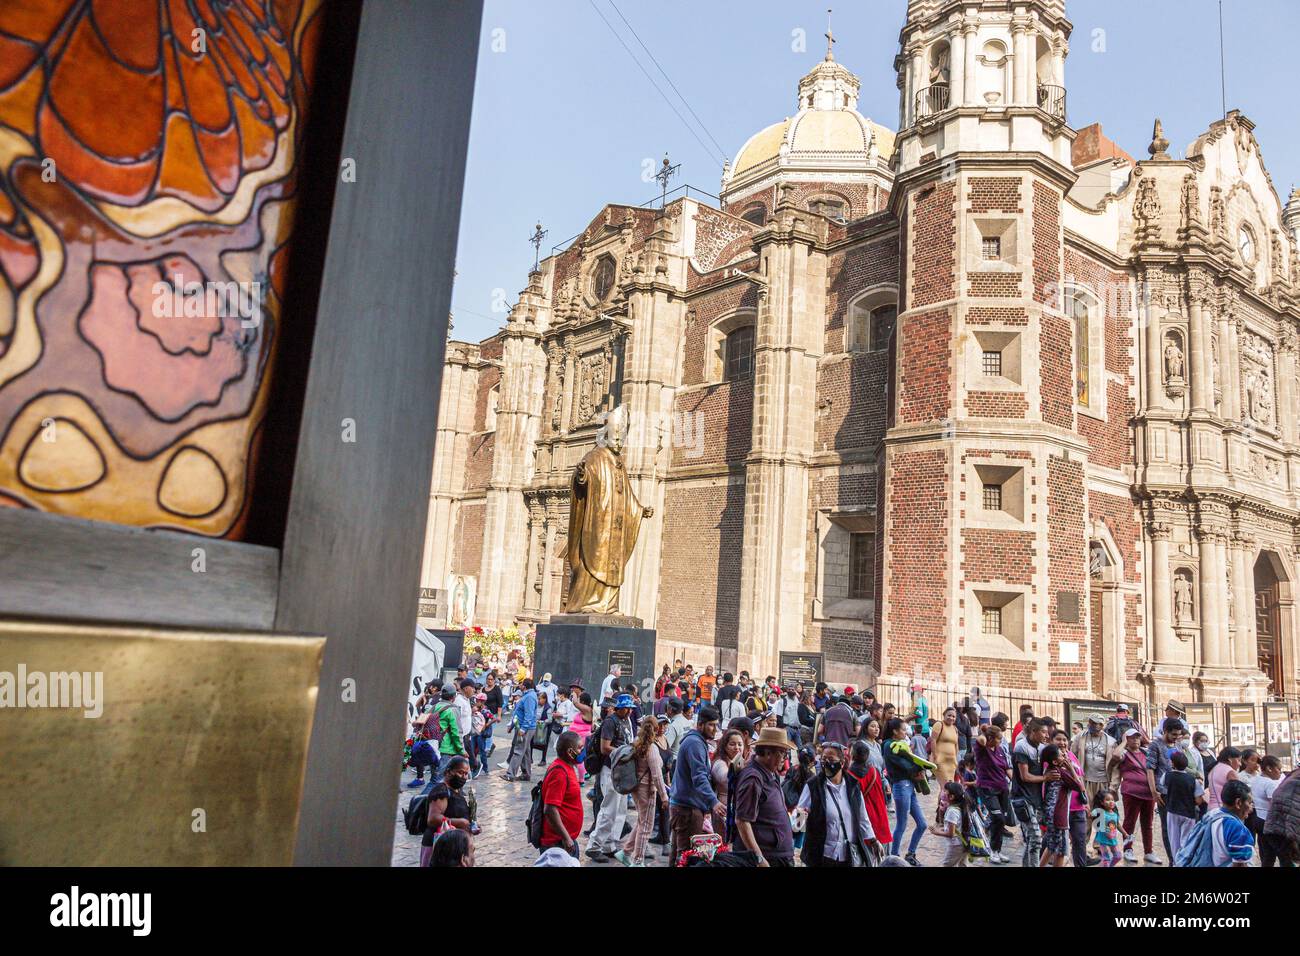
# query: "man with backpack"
615,743
525,723
443,732
556,817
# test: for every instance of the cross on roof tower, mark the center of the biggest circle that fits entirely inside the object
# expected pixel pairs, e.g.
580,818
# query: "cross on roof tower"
830,37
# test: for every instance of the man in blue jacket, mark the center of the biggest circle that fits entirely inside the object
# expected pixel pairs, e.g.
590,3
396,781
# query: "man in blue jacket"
692,794
525,724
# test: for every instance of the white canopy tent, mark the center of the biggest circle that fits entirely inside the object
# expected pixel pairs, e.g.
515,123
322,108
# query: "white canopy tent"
426,664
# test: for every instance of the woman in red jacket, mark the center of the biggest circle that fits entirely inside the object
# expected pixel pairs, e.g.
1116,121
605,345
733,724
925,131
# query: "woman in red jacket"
873,791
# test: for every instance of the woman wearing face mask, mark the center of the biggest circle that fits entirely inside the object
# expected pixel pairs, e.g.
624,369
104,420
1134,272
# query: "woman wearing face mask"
837,831
728,760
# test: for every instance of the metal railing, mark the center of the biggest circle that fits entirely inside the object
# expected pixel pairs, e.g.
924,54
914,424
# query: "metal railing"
932,99
1051,99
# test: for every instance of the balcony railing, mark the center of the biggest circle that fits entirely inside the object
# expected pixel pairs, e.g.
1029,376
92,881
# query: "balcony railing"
933,99
1051,99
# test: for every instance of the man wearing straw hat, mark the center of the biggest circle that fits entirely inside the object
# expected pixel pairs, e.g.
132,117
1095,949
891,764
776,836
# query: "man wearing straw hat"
762,820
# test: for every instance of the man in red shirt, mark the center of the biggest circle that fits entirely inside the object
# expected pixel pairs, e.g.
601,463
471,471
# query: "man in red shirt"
562,797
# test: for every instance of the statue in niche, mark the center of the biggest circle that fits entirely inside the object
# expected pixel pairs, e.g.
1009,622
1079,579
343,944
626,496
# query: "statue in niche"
1183,612
1173,359
1217,212
1191,201
1232,610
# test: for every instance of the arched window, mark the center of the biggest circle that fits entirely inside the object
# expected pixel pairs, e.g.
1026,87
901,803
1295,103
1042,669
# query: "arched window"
738,353
871,321
602,279
755,214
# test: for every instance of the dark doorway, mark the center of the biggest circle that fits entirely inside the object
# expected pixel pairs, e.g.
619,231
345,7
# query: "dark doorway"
1268,627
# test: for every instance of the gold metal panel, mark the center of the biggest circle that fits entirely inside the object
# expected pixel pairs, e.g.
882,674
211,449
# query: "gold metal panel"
196,758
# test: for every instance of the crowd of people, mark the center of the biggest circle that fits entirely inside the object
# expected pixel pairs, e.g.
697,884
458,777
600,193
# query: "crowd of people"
726,770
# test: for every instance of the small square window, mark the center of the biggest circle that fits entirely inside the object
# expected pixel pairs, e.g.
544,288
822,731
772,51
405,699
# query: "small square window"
991,620
992,247
992,497
992,362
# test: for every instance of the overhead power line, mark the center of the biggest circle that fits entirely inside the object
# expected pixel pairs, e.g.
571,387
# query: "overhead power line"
658,89
685,102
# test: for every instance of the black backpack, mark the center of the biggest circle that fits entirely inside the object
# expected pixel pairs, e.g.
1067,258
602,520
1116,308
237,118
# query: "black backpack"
593,762
416,814
536,814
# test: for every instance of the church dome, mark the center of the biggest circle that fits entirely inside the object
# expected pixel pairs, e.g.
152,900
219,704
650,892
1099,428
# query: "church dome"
826,134
762,146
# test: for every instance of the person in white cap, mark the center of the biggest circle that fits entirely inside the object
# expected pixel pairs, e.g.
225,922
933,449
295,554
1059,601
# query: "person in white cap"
545,686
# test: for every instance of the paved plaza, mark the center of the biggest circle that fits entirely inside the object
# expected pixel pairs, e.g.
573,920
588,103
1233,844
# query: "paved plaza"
502,808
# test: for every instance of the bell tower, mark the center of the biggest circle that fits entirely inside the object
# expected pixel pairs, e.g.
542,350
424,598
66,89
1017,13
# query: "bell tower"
983,497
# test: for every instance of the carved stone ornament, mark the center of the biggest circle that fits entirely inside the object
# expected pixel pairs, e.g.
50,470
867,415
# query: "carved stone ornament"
1257,380
1146,209
1218,214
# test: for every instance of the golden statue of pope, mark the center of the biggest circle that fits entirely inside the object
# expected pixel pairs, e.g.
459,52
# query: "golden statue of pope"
604,518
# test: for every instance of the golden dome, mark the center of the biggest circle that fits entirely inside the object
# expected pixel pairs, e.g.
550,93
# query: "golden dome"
762,146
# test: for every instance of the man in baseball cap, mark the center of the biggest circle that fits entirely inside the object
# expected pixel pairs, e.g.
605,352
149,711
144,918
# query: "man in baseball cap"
615,731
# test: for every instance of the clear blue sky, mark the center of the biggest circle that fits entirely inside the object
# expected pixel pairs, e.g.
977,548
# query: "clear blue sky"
564,120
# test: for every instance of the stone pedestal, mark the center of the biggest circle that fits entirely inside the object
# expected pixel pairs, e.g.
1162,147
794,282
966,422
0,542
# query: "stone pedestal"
585,645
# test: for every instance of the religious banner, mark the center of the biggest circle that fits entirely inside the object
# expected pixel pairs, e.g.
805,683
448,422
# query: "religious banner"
461,591
1200,720
1241,725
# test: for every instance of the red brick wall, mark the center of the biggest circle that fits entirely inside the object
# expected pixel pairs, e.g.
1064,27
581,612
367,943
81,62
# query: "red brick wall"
992,554
1056,369
994,285
917,528
725,412
707,307
925,372
980,315
1067,562
1047,241
478,464
1010,673
843,646
996,404
849,273
469,537
934,246
851,400
699,571
994,194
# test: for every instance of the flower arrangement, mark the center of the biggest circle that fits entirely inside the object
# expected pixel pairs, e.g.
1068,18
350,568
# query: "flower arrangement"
501,640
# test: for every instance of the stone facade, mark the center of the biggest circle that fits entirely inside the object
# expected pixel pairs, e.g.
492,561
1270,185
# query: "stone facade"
974,402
